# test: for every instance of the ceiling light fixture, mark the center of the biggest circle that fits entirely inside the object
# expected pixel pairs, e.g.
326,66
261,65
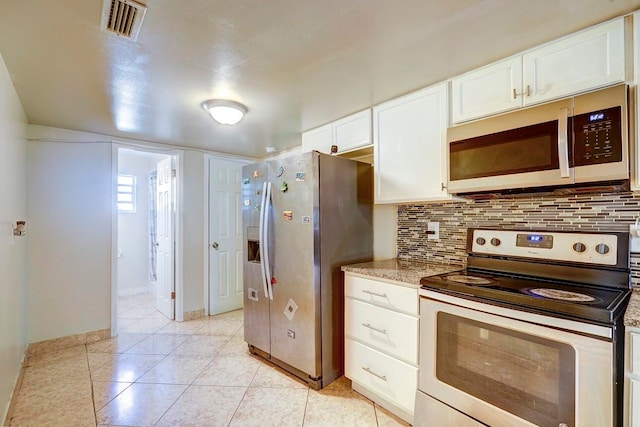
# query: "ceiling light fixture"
224,111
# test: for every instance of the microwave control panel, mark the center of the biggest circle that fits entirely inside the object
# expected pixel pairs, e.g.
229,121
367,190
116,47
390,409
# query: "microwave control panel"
598,137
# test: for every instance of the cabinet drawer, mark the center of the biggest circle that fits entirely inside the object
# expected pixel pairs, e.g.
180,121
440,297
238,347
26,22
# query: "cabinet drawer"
635,352
387,295
389,331
385,375
634,403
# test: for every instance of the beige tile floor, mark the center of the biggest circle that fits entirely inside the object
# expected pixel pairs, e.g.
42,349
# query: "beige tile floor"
158,372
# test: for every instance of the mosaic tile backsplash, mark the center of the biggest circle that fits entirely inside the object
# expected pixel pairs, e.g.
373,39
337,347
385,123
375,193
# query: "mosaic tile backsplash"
593,212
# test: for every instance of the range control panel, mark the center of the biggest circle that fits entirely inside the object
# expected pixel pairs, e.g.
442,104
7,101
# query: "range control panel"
587,248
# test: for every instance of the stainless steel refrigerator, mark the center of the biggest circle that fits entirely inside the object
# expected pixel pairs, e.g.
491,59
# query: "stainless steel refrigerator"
304,216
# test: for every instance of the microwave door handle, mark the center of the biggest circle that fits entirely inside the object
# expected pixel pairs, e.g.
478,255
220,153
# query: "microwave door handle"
563,144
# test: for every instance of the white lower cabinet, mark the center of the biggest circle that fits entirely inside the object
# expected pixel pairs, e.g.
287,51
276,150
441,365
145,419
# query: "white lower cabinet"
632,386
381,342
385,375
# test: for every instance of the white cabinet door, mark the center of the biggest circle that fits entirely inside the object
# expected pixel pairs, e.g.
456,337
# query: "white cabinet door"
634,403
488,90
347,134
583,61
319,139
409,137
353,131
635,171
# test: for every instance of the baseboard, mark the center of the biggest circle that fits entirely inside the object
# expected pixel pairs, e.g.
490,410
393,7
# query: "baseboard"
13,400
193,315
68,341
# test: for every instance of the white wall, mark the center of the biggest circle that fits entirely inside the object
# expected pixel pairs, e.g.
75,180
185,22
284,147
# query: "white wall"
133,228
13,253
385,231
69,189
83,294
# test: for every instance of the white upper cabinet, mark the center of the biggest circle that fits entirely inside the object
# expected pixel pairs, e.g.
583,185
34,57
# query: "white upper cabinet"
586,60
488,90
635,119
583,61
349,133
410,147
353,131
319,139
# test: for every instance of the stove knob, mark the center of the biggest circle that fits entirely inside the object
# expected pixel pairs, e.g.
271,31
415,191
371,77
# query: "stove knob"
495,242
481,241
579,247
602,249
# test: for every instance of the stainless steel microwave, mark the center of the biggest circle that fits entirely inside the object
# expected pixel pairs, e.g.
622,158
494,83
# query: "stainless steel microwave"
578,140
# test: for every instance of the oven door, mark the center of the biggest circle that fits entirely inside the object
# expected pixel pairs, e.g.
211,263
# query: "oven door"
528,148
503,371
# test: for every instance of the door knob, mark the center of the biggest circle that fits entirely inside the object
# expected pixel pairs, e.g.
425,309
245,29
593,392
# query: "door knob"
215,245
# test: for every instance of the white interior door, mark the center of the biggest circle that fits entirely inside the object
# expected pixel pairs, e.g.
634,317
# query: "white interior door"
165,284
225,236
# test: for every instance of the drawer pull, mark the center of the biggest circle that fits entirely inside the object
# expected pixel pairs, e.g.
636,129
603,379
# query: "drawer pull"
366,291
382,331
382,377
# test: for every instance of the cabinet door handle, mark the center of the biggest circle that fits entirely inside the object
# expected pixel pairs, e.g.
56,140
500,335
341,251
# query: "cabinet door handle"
527,92
382,377
368,325
366,291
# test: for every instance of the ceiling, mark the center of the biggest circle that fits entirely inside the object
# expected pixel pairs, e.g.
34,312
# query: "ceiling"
296,64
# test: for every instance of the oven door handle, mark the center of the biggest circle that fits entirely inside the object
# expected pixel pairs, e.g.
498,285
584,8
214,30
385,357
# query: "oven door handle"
563,144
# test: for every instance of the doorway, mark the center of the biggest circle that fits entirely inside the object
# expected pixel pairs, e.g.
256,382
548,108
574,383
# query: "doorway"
145,239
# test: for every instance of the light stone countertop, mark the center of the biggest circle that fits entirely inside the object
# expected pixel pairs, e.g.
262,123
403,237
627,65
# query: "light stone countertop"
400,270
632,315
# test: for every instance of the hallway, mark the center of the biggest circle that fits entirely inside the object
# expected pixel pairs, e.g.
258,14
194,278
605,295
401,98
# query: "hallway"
159,372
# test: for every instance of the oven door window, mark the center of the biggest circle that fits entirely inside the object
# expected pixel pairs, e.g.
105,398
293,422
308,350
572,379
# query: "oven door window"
528,376
528,149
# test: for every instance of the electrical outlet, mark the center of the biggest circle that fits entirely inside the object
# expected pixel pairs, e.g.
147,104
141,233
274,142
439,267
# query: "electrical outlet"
634,242
434,230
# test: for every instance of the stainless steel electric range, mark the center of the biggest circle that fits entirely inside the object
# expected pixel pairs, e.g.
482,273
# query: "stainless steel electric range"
529,334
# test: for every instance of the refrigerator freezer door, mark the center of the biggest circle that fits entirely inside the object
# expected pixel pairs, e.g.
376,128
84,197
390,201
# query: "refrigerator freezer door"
256,303
295,309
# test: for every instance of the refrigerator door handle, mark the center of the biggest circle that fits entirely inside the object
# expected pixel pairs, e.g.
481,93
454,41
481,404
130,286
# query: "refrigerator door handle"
267,267
262,239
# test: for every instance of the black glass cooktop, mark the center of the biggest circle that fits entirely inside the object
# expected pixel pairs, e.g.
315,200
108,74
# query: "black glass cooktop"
567,300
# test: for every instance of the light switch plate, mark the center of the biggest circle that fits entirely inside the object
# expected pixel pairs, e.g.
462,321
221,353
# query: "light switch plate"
435,227
634,242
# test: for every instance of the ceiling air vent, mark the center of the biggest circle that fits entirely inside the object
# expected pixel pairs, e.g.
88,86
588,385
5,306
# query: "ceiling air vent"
123,17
